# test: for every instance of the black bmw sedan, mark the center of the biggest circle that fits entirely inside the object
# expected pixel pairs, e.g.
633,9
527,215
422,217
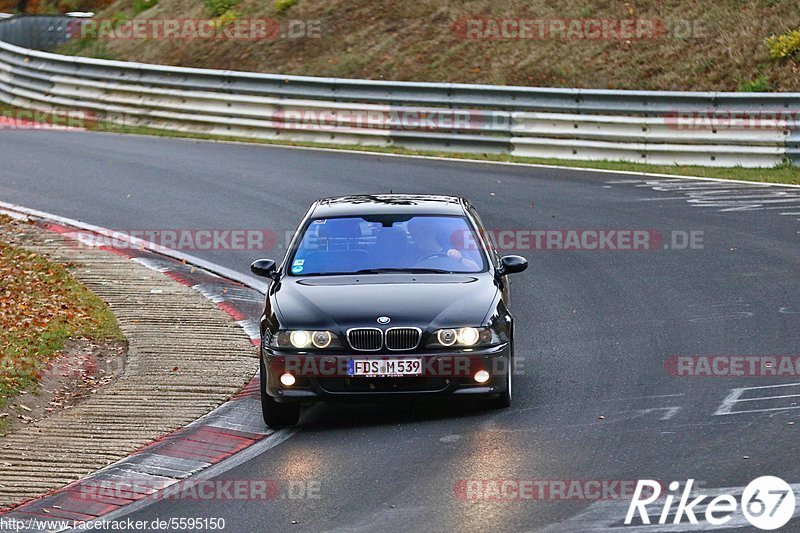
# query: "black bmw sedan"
386,296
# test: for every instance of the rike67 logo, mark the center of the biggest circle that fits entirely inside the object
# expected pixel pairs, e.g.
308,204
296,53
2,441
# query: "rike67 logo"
767,503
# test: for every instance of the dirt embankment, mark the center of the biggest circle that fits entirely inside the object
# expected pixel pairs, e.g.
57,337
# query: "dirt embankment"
649,44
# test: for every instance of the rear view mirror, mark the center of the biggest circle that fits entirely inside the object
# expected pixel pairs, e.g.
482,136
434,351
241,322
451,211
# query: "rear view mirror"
264,268
511,264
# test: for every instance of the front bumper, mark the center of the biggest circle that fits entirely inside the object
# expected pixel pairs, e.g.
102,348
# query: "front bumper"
323,377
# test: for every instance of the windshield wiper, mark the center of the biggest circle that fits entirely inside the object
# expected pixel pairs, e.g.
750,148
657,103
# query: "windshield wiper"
406,270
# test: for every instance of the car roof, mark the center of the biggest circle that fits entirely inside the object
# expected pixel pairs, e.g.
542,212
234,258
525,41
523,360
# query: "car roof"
422,204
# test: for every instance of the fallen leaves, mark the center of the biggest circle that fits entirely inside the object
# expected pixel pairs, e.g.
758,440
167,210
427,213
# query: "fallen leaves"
41,305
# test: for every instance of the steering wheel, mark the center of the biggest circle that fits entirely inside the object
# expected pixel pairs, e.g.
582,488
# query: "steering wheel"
433,256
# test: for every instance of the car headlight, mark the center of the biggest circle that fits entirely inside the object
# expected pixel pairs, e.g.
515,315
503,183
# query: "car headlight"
300,339
466,337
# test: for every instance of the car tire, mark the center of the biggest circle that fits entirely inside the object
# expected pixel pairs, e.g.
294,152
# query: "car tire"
276,415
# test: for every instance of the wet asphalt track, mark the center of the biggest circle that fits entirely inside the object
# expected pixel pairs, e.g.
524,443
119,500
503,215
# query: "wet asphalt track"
594,329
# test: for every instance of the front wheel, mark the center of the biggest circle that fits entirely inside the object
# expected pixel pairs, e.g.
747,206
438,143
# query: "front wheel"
276,414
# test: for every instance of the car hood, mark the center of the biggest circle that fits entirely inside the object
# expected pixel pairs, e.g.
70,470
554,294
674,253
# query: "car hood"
423,300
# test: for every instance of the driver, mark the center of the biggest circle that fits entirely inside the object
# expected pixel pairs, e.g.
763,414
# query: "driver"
424,231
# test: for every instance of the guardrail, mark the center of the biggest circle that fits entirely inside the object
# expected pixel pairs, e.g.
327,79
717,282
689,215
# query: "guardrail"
714,129
41,32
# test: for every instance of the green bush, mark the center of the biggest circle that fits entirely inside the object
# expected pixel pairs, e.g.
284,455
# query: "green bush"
65,6
143,5
784,45
220,7
225,19
759,85
118,19
283,5
48,8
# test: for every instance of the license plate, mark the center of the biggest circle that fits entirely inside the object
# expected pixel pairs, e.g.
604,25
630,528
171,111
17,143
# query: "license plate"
411,366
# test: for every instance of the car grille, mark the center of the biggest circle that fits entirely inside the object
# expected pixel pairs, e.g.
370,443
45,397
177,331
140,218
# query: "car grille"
365,339
402,338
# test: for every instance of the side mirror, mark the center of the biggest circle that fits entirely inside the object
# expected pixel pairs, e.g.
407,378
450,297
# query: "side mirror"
511,264
264,268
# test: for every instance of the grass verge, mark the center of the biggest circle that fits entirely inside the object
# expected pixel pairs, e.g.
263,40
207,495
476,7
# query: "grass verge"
41,306
784,173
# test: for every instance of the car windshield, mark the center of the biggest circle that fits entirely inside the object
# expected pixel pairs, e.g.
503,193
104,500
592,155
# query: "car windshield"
387,243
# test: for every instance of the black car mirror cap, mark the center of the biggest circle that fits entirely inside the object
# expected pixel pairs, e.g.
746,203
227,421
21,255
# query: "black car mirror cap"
265,268
511,264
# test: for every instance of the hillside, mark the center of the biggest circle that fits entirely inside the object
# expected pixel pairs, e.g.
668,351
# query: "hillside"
704,45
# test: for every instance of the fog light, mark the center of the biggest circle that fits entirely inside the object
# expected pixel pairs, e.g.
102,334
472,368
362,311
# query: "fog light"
482,376
288,380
